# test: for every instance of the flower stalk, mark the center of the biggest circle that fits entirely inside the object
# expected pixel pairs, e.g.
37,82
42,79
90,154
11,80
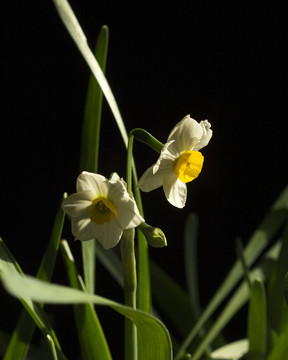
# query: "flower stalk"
130,286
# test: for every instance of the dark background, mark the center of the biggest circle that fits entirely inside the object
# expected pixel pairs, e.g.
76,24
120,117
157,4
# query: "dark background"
220,61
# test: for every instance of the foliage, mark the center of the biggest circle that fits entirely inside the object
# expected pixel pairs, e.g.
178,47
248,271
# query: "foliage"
257,279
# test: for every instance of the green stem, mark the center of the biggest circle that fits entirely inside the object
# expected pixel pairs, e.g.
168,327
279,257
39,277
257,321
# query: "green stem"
130,285
144,293
129,163
145,137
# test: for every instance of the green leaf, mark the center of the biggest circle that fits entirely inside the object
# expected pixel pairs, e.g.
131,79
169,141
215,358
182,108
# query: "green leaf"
91,337
276,307
280,349
75,30
154,339
89,154
240,256
172,300
111,262
232,351
9,268
236,302
239,298
21,338
259,240
190,257
191,272
257,321
285,288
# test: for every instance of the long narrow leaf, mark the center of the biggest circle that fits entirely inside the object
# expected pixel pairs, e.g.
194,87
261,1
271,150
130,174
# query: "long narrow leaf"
239,298
89,155
91,337
154,339
277,309
190,256
8,265
75,30
259,240
232,351
257,323
280,350
20,340
111,262
172,300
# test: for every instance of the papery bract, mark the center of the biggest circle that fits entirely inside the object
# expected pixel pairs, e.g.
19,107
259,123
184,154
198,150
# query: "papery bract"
179,162
101,209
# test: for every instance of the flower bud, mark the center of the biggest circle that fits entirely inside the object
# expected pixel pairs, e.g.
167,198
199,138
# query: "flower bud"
154,236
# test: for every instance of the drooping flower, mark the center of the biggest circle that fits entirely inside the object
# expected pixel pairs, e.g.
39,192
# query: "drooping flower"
101,209
179,162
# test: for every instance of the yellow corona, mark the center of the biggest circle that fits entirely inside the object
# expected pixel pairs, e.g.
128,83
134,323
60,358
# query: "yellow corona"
188,166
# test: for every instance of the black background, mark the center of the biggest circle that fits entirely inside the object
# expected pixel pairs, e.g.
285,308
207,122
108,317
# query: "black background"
220,61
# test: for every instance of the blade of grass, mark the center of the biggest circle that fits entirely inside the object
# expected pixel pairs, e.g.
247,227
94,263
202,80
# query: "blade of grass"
259,240
257,321
277,309
236,302
8,265
190,258
21,337
285,288
111,262
238,299
91,337
89,154
171,299
240,256
232,351
280,350
154,339
76,32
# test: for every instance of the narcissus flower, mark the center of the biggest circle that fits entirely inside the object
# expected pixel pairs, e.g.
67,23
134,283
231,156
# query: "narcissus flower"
180,160
101,209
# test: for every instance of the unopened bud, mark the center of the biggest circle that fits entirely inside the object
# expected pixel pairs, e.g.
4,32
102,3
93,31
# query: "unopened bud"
154,236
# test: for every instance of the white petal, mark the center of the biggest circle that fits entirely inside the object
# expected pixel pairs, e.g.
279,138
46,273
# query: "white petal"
128,214
168,154
78,204
117,191
175,190
150,181
82,229
207,134
94,182
187,133
108,234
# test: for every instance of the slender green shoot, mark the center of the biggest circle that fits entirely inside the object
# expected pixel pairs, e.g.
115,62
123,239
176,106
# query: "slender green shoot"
130,285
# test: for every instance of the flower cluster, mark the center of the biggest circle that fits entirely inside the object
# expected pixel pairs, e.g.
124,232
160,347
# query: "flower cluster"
102,208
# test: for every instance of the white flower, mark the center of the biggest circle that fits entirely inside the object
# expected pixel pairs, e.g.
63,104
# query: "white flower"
179,162
101,209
